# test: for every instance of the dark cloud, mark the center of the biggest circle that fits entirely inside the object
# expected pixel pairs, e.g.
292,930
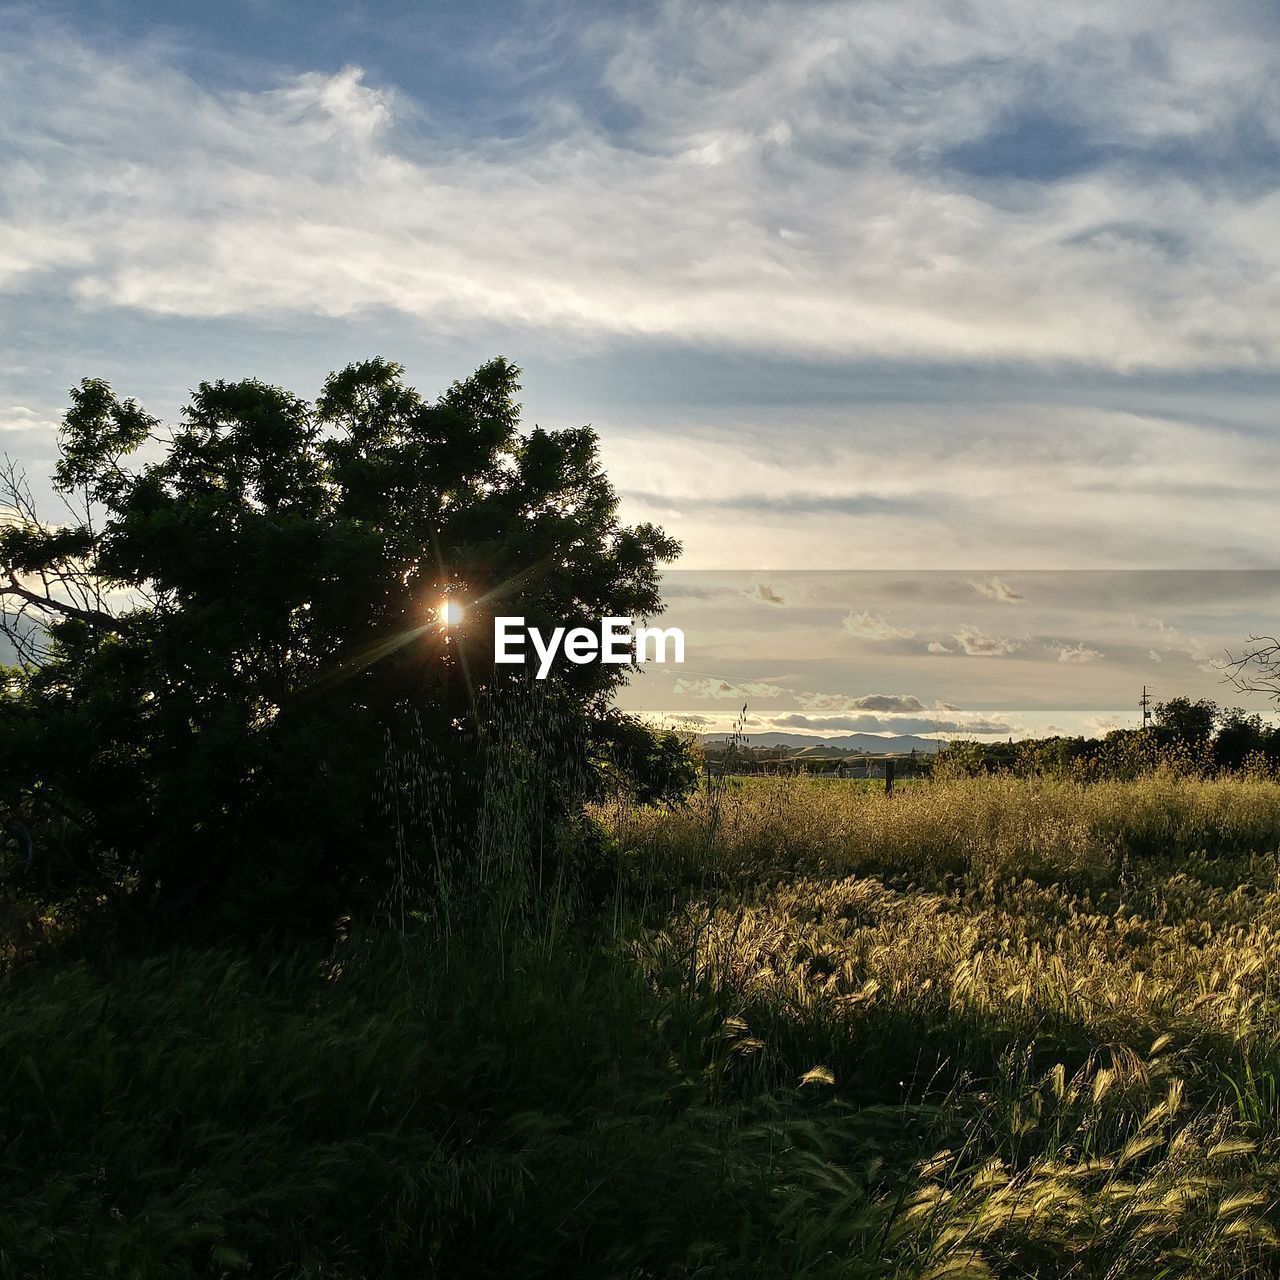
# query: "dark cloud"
897,724
801,503
763,593
842,703
888,702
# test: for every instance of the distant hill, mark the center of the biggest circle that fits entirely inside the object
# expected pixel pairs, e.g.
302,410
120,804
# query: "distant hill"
870,743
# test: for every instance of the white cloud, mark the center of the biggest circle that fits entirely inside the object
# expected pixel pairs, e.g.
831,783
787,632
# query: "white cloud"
783,186
874,626
996,589
19,418
936,646
1078,653
1097,726
711,687
1175,640
1029,485
979,645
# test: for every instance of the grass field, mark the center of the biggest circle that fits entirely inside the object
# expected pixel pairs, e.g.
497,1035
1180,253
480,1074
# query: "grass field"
983,1028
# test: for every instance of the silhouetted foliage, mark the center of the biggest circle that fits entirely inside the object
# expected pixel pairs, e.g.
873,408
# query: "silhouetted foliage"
1180,720
1188,736
209,737
1240,738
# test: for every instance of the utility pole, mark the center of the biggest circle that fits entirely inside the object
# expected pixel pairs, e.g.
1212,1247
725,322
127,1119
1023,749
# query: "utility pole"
1145,703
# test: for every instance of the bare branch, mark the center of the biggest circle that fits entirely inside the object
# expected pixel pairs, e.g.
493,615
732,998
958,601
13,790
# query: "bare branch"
1257,670
67,587
50,604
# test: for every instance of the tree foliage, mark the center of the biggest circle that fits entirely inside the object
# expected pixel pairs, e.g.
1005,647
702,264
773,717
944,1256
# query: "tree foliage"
1189,736
220,645
1185,722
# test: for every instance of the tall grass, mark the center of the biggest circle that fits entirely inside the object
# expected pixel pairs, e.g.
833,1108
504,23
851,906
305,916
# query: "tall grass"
981,828
985,1028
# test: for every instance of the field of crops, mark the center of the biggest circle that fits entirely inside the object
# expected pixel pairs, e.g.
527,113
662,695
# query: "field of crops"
981,1028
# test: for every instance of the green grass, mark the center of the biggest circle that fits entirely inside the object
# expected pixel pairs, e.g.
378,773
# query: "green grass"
986,1028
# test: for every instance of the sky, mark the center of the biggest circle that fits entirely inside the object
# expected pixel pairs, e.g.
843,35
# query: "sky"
940,654
979,288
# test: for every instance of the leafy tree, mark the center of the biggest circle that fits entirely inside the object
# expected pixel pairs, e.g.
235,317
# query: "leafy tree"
243,612
1239,737
1182,721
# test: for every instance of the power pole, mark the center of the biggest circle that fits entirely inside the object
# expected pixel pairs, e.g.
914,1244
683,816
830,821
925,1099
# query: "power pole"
1145,703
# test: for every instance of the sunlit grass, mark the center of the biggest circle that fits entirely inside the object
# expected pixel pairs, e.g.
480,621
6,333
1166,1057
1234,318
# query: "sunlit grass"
981,828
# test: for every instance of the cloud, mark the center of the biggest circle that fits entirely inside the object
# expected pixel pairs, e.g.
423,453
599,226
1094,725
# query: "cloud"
936,646
996,589
1175,640
710,687
978,645
1029,483
692,721
763,593
871,217
764,179
1098,726
1154,655
874,626
876,724
884,702
20,418
1078,653
714,688
888,702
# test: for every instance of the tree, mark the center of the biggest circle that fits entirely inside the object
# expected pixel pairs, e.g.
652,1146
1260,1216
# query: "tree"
1239,737
217,649
1181,721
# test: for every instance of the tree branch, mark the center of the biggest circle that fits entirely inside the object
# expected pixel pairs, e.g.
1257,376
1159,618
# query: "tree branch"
94,617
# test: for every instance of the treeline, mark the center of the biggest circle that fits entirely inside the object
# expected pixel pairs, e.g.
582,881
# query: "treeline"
738,758
1194,736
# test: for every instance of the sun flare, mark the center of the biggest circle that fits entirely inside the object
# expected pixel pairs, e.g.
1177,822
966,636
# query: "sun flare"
449,612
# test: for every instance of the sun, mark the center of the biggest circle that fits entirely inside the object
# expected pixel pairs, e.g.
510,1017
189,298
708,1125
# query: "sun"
449,612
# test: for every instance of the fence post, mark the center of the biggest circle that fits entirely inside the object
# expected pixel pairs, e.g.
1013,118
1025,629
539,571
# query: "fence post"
888,777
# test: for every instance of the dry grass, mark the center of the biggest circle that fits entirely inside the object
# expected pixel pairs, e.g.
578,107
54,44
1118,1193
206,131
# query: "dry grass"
983,828
1068,986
